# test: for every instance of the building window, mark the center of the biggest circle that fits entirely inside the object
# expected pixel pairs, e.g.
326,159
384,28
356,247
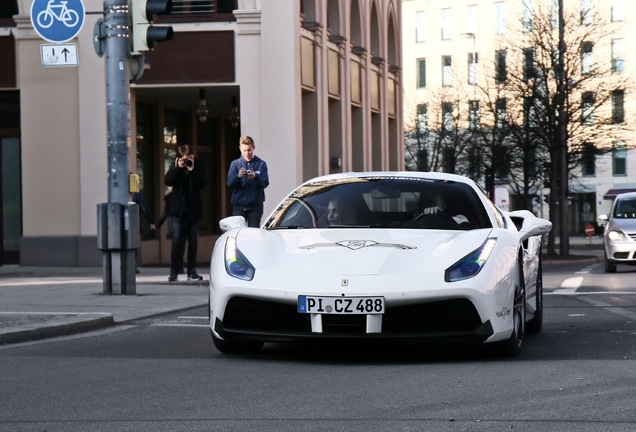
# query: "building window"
446,24
501,74
473,115
8,8
501,113
529,71
619,159
333,77
422,119
586,12
618,55
448,120
618,10
587,63
200,10
447,75
587,108
473,68
500,18
420,26
588,160
307,64
618,111
530,113
356,83
554,14
472,19
527,15
421,73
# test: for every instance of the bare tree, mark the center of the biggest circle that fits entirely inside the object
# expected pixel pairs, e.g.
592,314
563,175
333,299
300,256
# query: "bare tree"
532,90
436,135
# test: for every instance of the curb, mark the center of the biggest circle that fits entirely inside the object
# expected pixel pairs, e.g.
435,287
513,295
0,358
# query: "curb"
71,325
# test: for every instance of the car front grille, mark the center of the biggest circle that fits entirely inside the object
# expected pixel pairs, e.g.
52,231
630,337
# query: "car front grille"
247,314
621,255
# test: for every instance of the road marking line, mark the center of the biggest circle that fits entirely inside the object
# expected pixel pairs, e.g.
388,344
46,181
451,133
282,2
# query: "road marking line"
569,286
181,325
55,313
567,292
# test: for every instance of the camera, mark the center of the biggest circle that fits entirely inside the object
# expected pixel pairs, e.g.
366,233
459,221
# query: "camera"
249,171
188,163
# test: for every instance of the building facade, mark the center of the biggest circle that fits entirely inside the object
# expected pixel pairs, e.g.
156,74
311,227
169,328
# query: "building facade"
316,83
456,52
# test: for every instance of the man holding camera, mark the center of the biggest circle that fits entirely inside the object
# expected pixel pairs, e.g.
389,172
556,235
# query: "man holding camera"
248,178
186,177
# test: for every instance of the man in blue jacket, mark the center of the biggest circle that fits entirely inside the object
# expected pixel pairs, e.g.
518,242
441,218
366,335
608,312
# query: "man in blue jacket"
248,178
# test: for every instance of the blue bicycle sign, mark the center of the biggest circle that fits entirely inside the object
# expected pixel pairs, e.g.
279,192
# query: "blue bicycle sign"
57,20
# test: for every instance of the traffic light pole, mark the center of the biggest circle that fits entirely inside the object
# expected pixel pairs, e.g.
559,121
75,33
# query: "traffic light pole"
117,219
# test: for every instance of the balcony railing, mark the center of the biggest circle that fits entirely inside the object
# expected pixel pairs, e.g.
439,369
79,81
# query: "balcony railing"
200,10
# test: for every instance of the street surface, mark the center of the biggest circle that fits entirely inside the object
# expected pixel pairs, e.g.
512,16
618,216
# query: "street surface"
164,374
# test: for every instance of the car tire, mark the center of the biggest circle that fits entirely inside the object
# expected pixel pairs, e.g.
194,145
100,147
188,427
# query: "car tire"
536,323
610,267
512,346
236,347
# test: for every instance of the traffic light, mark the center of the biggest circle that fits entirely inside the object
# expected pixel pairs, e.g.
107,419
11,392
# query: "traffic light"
144,33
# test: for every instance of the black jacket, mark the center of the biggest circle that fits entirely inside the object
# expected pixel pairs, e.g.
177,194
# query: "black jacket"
185,200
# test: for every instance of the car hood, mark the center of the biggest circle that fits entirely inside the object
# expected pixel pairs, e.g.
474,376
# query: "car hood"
628,226
356,251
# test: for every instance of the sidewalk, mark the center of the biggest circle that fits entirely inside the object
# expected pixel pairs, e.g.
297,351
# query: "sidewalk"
43,302
581,248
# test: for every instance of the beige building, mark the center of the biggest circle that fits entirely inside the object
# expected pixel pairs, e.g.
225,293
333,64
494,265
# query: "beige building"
451,51
316,83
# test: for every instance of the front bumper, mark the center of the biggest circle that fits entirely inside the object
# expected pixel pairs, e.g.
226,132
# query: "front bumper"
453,320
621,251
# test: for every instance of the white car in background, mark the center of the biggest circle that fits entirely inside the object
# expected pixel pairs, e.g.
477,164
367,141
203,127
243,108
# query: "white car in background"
619,236
380,255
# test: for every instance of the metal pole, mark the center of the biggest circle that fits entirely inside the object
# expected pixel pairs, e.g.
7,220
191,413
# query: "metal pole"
119,261
562,141
118,105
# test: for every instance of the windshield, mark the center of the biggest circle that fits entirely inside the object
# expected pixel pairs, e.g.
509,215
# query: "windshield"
625,209
382,202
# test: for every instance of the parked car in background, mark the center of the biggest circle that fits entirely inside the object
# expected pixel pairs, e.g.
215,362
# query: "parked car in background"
406,256
619,237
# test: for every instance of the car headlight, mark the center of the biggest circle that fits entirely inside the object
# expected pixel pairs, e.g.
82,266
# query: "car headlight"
235,262
616,235
471,264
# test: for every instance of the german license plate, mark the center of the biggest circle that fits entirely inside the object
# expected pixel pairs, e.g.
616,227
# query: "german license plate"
340,305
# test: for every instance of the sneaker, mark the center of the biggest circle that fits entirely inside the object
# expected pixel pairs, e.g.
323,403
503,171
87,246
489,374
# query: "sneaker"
194,276
173,277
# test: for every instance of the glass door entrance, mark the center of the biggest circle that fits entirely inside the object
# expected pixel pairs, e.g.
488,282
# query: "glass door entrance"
10,200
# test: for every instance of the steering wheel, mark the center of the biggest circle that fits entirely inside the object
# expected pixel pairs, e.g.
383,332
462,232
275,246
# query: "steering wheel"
439,213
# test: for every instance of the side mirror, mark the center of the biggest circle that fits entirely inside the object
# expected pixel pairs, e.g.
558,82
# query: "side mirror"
232,222
533,227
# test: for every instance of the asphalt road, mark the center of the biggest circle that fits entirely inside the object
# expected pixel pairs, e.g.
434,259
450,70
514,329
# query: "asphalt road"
164,374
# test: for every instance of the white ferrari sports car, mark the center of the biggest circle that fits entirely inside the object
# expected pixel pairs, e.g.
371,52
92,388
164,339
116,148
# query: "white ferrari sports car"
407,256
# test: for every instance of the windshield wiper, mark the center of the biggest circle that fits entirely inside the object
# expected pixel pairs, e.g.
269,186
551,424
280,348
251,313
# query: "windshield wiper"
288,227
349,226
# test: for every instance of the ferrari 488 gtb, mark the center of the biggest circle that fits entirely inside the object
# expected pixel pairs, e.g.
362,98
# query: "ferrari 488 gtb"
380,255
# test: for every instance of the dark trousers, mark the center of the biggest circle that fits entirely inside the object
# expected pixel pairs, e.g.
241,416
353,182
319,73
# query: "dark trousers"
252,215
183,229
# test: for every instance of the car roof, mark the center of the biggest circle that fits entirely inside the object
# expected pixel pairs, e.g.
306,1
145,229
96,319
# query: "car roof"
409,174
625,195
